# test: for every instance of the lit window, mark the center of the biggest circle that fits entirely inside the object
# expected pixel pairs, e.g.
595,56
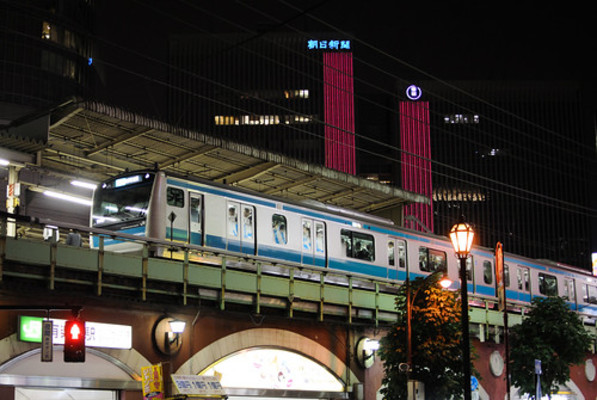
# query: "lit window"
461,119
46,30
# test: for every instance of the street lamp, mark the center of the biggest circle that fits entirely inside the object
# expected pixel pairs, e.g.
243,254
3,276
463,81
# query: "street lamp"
461,236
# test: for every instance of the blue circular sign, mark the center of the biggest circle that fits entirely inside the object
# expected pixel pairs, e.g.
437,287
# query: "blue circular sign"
414,92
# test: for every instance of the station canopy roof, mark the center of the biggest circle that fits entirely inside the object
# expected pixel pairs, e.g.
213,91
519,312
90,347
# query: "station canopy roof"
91,140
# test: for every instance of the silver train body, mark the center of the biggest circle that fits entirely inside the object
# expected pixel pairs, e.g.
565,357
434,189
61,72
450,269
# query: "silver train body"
220,218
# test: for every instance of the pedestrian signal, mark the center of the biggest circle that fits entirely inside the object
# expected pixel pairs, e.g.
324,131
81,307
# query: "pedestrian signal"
74,341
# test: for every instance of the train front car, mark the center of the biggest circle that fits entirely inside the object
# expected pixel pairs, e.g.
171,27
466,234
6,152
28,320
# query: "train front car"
123,205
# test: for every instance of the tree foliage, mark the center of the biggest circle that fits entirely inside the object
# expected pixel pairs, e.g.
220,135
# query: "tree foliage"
436,351
552,333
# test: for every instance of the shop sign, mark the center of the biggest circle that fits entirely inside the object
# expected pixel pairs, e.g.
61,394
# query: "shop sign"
153,382
97,334
198,385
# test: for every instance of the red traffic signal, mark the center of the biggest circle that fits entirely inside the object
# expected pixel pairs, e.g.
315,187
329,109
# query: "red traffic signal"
74,341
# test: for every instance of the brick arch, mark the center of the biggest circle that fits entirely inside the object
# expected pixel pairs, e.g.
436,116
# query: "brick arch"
267,337
13,351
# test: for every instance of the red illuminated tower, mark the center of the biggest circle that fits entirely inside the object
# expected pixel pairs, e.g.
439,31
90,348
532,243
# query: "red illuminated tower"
416,161
339,111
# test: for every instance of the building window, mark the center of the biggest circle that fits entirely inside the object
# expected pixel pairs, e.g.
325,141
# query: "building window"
221,120
46,30
461,119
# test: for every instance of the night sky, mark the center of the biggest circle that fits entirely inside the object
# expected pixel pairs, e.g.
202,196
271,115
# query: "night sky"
448,40
464,39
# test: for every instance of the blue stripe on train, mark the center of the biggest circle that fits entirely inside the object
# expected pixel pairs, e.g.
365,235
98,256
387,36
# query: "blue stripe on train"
138,231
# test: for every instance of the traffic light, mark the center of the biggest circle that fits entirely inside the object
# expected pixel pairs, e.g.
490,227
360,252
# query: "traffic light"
74,341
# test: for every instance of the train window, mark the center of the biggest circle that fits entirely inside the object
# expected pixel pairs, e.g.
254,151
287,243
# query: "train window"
319,237
247,222
487,272
548,285
175,197
279,229
431,260
590,294
358,245
401,253
391,257
233,220
569,292
522,276
195,210
307,240
469,268
506,275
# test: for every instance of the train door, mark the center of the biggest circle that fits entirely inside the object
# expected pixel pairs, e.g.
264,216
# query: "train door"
396,259
177,222
569,292
523,278
195,219
240,229
313,250
232,227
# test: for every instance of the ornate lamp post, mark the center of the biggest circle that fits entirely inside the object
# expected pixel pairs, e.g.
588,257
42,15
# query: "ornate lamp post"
461,236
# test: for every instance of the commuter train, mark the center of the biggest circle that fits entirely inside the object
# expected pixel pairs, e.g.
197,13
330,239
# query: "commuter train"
218,218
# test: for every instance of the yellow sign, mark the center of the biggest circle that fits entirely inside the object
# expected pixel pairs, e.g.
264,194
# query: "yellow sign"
153,382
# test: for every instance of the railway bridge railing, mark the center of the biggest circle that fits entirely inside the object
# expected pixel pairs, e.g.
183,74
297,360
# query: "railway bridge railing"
260,284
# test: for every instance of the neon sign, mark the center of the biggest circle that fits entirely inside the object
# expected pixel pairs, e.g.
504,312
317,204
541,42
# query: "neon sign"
314,44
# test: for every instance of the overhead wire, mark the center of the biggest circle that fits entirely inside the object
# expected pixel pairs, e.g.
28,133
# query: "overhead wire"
547,198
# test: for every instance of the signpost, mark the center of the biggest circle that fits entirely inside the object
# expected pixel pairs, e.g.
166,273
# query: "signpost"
538,379
46,341
500,273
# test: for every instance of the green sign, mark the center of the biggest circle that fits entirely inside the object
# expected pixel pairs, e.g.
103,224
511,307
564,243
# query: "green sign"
30,329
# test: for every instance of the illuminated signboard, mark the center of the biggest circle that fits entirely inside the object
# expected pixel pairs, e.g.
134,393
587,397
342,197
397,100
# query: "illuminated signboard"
414,92
314,44
127,180
96,334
